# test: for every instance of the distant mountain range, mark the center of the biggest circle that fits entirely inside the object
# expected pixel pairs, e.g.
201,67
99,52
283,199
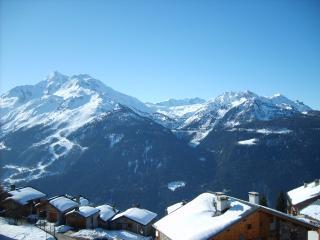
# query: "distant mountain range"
76,135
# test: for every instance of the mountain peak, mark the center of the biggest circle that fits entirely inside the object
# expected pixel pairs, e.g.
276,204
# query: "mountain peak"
55,75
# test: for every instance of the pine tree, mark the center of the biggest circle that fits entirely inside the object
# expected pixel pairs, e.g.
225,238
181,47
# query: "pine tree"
263,200
2,193
281,204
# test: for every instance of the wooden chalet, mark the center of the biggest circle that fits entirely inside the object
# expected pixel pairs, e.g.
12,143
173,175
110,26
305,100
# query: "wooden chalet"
106,213
57,207
216,216
135,220
21,201
303,196
83,217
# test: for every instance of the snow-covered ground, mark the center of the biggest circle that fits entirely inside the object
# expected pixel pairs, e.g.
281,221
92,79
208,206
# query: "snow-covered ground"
101,233
3,146
252,141
23,232
175,185
50,227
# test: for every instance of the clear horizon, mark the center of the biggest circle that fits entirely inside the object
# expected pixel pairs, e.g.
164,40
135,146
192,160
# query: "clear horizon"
174,49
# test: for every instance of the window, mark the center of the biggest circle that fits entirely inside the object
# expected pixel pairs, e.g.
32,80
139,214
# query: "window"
249,226
129,225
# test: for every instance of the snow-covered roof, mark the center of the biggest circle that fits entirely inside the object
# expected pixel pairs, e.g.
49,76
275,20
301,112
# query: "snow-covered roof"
304,193
26,194
85,211
107,212
63,204
139,215
174,207
312,210
198,219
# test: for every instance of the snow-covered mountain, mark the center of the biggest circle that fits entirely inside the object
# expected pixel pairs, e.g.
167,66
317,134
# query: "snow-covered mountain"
196,118
70,126
61,100
61,104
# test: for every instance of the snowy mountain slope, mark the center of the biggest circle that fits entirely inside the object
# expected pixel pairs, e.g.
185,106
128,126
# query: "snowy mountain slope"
60,99
177,108
200,114
234,108
57,106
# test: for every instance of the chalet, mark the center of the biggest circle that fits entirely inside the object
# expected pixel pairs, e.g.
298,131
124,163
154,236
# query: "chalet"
135,220
21,201
57,208
302,196
83,217
216,216
106,213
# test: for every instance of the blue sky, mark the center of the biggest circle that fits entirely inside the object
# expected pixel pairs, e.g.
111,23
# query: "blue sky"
155,50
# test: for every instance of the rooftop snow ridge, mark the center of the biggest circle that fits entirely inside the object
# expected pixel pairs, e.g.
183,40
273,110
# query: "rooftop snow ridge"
139,215
304,192
63,203
25,194
85,211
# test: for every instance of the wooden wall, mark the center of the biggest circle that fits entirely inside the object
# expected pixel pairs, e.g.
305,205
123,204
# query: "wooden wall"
261,225
53,215
76,220
14,209
132,226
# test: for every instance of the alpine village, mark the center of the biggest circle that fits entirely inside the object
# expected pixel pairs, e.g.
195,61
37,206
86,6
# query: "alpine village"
211,215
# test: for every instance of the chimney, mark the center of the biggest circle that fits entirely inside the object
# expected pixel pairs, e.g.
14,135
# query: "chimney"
316,182
222,203
254,197
12,187
78,199
305,184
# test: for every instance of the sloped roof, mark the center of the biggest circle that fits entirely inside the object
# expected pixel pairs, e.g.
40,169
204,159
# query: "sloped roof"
199,218
85,211
107,212
138,215
312,210
26,194
63,203
304,193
